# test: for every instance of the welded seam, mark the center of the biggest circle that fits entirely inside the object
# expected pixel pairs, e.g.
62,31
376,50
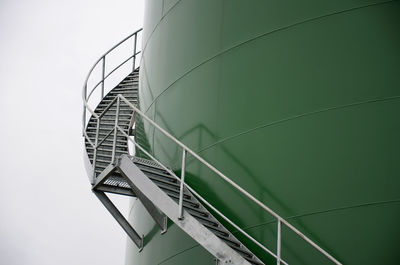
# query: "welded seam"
293,217
156,26
297,117
176,254
323,211
257,37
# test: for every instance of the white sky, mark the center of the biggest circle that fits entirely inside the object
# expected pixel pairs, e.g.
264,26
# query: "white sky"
48,213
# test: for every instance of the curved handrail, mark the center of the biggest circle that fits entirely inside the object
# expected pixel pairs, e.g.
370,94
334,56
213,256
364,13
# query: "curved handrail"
86,97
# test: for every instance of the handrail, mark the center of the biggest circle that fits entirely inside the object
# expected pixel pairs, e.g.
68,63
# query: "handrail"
86,97
185,150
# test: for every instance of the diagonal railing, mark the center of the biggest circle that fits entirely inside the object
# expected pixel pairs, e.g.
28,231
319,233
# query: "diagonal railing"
185,152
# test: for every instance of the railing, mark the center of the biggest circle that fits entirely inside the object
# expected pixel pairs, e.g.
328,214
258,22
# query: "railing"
185,152
104,76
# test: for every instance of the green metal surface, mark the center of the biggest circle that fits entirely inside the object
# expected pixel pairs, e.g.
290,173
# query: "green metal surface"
296,101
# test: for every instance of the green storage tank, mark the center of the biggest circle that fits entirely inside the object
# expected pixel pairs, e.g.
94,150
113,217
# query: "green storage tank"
296,101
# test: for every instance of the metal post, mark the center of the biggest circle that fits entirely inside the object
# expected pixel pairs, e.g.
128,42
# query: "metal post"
115,131
102,78
95,148
131,123
278,244
134,52
180,215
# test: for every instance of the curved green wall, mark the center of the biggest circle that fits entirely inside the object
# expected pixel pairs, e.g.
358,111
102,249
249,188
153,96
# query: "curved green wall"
298,102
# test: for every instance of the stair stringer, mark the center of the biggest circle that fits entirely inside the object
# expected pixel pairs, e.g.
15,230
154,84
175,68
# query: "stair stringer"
135,177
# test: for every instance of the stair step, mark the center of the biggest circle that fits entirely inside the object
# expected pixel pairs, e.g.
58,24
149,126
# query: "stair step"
185,199
107,153
172,190
109,139
131,83
106,100
161,173
106,124
108,149
110,114
110,145
117,181
125,90
194,209
189,203
127,86
120,148
103,132
90,152
217,230
113,109
122,142
254,262
110,142
103,161
163,180
112,96
241,251
122,107
105,157
113,119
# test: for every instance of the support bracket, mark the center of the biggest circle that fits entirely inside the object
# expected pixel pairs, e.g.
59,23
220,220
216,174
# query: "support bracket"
136,238
99,190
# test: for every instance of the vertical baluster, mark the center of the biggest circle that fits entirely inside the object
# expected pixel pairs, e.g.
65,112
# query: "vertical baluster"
134,52
95,149
180,214
278,243
102,77
115,131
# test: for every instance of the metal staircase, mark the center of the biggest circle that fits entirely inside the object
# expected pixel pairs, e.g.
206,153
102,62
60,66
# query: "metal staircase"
160,194
164,195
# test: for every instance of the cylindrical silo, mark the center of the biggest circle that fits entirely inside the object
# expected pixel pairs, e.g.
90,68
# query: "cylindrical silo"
296,101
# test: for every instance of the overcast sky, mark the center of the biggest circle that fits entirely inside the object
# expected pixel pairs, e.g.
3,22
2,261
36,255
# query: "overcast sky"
48,213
